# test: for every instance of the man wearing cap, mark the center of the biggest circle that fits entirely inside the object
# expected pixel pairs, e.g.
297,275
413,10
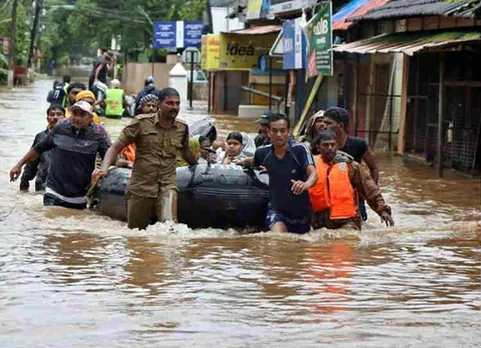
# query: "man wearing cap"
88,97
148,89
39,167
75,145
337,120
262,137
158,137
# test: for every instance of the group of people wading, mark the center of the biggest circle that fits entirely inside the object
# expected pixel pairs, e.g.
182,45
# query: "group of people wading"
315,183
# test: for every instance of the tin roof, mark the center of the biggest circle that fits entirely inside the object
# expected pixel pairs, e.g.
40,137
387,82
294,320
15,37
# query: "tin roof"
410,8
409,43
341,20
259,30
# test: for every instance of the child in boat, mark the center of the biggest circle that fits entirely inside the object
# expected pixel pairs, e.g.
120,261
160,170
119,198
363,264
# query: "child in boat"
233,152
205,156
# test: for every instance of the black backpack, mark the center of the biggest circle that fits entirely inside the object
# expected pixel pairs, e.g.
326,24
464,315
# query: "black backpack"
57,95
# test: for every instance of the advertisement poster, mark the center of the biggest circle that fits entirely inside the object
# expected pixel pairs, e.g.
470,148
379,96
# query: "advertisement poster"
319,42
294,45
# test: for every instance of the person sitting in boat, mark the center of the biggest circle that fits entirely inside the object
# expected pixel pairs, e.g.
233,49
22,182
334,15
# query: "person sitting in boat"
334,198
206,154
233,152
262,137
38,168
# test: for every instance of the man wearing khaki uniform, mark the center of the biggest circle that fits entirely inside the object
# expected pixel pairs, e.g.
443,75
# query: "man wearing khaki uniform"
158,137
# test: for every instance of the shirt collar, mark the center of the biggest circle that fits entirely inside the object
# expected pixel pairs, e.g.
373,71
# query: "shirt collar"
289,146
156,120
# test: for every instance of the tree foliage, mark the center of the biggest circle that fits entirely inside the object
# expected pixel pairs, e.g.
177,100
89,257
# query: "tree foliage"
78,28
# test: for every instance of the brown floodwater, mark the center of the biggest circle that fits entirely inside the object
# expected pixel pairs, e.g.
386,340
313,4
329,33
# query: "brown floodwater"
76,279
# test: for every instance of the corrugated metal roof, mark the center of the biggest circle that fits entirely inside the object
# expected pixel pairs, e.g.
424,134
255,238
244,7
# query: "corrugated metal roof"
409,43
261,30
342,19
409,8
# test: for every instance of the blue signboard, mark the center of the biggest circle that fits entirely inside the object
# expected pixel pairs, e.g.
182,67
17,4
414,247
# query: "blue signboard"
165,34
193,31
178,34
294,45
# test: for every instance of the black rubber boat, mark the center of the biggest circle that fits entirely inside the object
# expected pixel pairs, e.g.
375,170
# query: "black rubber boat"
216,195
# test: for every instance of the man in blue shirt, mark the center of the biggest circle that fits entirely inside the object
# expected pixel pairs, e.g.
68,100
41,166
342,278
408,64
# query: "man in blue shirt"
291,173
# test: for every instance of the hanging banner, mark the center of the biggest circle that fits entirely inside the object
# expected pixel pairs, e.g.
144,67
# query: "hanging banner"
319,42
294,45
210,52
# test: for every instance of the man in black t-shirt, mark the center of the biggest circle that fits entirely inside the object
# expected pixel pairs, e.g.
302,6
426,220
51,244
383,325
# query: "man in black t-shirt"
102,66
337,119
291,173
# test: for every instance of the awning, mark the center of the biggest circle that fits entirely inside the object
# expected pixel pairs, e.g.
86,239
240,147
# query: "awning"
261,30
409,43
341,20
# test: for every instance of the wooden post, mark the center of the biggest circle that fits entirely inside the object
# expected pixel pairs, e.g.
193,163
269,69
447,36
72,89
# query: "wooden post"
404,105
439,145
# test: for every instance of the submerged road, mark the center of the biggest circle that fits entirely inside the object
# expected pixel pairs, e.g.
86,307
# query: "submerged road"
75,279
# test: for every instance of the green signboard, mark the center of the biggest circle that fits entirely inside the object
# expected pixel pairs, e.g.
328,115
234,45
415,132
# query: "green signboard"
319,42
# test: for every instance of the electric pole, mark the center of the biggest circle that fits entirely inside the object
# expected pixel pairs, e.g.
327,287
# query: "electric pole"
13,44
34,31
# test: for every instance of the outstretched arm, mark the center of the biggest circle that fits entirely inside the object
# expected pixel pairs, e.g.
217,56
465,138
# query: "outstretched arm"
370,158
299,187
31,155
109,159
368,189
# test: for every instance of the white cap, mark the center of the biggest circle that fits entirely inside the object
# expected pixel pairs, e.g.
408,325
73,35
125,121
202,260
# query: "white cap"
115,83
82,105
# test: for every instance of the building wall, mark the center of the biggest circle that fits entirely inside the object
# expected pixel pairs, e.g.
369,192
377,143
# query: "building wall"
136,73
228,94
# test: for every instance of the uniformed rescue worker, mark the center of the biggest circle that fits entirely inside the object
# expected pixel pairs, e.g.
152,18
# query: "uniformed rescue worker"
153,186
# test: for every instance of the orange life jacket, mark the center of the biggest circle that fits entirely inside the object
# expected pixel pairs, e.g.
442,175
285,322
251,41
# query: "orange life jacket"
333,190
129,153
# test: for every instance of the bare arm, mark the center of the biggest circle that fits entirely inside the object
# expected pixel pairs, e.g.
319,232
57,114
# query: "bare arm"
299,187
370,159
97,72
31,155
189,156
109,158
368,189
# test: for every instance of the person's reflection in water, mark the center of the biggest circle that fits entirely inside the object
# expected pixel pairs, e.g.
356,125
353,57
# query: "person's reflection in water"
77,256
146,266
330,268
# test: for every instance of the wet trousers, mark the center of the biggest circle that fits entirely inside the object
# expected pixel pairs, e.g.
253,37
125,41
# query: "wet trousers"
140,210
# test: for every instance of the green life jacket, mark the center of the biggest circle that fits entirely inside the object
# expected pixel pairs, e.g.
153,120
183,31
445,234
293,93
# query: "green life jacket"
114,102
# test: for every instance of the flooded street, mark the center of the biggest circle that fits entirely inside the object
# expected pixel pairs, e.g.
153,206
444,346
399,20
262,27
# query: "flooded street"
76,279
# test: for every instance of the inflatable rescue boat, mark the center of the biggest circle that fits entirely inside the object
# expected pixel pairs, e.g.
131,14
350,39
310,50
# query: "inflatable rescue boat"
219,196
